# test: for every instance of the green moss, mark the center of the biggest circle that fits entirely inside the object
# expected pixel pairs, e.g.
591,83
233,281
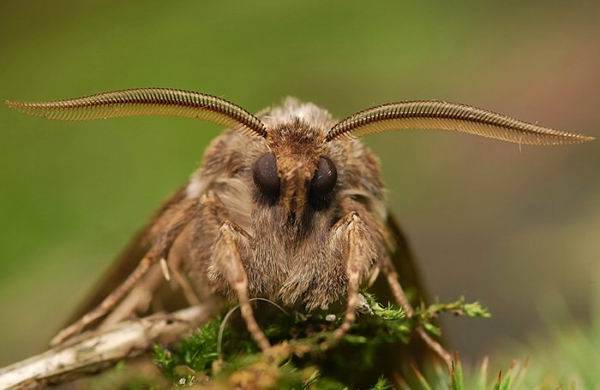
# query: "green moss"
298,361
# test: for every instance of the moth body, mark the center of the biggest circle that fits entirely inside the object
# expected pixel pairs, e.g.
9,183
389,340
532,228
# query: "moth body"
287,205
289,248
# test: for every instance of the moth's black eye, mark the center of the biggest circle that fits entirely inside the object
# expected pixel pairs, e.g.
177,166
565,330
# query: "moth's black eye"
266,176
323,182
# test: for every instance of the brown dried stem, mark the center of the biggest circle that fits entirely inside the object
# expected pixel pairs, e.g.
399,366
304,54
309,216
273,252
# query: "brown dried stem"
101,348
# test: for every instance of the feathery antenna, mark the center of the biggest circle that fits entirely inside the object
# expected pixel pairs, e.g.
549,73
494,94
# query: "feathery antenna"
147,102
437,115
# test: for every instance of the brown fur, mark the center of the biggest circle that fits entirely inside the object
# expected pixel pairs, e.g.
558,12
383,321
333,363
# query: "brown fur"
293,256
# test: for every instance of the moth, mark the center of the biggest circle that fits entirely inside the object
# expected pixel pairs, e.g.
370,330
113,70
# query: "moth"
288,205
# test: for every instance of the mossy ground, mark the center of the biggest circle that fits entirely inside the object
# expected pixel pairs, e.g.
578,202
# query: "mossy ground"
297,360
567,358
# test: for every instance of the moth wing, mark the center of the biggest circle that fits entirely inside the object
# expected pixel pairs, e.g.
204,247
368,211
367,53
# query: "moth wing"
402,356
127,260
405,262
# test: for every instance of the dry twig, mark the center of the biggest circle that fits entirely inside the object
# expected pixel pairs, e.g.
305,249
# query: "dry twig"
100,348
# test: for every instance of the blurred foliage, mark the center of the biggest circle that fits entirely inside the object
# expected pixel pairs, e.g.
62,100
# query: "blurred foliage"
505,225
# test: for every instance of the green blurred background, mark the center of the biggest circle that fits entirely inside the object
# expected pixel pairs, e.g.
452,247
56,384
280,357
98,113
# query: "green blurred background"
517,228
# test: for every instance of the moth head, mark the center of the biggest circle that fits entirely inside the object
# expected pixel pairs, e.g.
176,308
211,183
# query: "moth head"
296,172
295,185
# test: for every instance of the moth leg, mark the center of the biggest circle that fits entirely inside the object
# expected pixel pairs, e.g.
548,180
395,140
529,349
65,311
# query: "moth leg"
158,251
226,257
351,231
106,305
137,300
141,296
400,297
186,287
